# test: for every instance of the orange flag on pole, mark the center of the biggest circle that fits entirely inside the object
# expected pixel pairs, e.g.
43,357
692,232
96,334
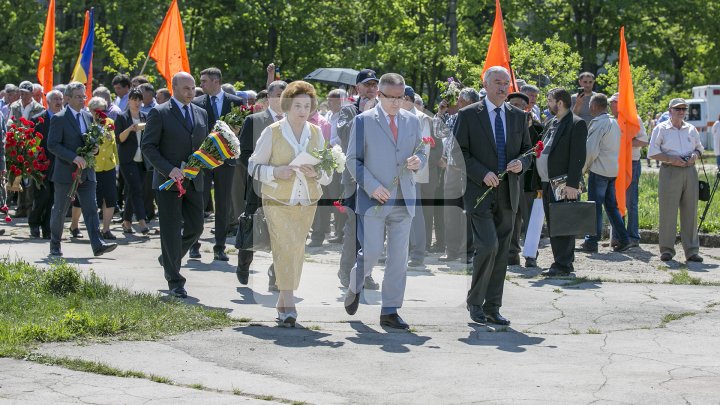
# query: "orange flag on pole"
629,125
498,54
47,53
169,50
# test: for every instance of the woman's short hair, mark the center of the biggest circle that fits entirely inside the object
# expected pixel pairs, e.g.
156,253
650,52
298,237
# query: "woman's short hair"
298,88
97,103
135,93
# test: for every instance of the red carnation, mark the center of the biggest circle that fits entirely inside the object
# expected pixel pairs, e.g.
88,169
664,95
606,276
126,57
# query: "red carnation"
429,140
12,118
28,170
31,124
38,135
26,163
7,218
112,127
32,142
13,168
4,209
13,126
31,153
539,148
13,153
20,158
17,172
339,206
41,120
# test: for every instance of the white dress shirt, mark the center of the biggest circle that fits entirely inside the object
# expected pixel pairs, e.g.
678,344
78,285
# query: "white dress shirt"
678,142
491,111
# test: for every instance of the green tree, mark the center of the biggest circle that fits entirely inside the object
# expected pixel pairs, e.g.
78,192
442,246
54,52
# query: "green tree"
647,88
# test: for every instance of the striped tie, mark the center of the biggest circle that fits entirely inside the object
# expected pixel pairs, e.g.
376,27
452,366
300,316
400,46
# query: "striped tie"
500,140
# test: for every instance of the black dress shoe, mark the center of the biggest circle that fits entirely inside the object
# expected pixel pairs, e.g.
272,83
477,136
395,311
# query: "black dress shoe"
219,254
315,243
243,275
35,231
556,272
584,247
195,251
530,262
448,258
179,292
416,263
105,248
352,302
108,236
621,247
75,233
393,321
337,239
695,258
55,251
497,319
666,257
476,313
514,260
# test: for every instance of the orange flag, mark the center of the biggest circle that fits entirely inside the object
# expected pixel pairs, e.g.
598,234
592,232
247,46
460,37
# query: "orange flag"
47,53
498,54
168,50
629,126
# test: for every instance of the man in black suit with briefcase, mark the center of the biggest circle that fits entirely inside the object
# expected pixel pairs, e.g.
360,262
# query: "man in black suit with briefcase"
492,136
217,104
175,130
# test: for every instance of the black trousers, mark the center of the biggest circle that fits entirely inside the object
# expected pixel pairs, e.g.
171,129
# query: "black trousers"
321,222
134,175
181,224
492,230
222,181
42,207
149,193
563,247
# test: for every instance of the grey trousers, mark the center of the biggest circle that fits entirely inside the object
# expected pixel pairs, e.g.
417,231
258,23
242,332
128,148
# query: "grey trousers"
88,204
678,190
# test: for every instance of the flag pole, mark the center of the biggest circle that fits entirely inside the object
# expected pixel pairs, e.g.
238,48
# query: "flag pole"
144,64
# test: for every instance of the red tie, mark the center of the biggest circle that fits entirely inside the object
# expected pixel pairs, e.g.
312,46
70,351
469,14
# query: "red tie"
393,127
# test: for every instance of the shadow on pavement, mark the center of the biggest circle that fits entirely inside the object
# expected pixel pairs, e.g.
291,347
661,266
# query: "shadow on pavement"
289,337
507,340
394,341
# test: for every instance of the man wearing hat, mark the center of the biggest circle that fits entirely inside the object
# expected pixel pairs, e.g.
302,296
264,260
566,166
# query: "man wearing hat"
367,93
676,144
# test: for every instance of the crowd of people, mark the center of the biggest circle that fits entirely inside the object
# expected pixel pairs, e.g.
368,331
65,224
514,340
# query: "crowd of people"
460,183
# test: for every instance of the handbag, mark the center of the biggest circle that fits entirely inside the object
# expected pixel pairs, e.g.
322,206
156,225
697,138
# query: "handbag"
704,185
253,233
572,218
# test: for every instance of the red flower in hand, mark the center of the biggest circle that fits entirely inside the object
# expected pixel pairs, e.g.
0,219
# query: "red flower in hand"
339,206
429,141
539,148
41,120
7,218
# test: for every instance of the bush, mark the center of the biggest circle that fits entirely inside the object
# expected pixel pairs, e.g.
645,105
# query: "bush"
62,279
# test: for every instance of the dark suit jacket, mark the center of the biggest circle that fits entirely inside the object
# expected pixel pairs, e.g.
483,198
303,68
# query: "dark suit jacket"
567,151
251,130
64,138
127,149
477,142
205,103
168,141
44,128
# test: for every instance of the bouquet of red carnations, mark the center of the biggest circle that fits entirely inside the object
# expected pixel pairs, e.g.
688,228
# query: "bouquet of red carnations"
25,158
93,138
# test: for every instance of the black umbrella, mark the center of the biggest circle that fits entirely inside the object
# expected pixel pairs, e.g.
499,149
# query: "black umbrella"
334,76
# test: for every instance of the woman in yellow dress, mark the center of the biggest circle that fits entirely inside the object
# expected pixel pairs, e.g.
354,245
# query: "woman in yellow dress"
105,162
289,194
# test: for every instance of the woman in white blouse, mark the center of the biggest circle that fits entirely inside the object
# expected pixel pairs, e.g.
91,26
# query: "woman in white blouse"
289,194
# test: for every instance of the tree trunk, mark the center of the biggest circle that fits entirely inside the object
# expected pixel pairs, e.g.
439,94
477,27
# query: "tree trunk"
452,25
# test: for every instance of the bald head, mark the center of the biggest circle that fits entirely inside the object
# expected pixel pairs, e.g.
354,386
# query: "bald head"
183,87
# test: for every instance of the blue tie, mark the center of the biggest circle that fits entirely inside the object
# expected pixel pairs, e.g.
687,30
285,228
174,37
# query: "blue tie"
500,140
188,119
215,107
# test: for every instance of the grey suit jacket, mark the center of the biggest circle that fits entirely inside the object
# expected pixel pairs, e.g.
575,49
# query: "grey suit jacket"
374,159
64,138
168,140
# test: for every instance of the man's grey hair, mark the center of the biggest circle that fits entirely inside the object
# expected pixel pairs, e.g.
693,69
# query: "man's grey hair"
11,88
337,93
37,86
72,87
103,92
228,88
181,75
419,101
493,70
97,103
277,84
600,100
529,88
53,94
253,93
391,79
469,94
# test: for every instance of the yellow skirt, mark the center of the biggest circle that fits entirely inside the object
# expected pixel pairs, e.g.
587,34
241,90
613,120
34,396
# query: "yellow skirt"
288,226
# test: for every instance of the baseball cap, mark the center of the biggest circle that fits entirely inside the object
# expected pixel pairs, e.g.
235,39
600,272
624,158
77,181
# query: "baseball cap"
615,97
409,92
678,102
365,75
518,95
26,86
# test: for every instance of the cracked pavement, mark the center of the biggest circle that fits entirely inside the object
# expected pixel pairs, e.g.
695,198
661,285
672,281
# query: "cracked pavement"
593,342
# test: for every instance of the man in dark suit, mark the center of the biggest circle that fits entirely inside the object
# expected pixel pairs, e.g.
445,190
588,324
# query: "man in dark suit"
174,130
492,135
217,103
64,138
253,126
39,218
564,154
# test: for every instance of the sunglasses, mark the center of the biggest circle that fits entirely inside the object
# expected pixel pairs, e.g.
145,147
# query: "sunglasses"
680,108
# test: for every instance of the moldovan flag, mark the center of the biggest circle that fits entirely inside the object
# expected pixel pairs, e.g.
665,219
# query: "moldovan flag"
629,126
47,53
498,54
83,68
168,50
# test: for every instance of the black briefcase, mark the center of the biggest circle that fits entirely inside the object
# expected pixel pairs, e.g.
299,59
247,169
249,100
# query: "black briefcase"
572,218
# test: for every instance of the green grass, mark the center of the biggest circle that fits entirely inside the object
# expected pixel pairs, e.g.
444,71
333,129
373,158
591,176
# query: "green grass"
95,367
594,331
682,277
649,206
59,304
674,317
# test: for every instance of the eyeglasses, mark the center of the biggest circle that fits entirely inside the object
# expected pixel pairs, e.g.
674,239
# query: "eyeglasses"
81,96
393,99
680,108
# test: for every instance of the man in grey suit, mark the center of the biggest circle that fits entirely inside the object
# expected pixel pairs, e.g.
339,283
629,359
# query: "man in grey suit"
175,130
64,138
492,134
383,154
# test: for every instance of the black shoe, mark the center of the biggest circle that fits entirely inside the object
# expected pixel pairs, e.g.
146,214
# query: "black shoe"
393,321
416,263
45,236
352,302
556,272
469,260
315,243
497,319
243,275
584,247
530,262
448,258
179,292
621,247
75,233
195,251
105,248
370,284
55,251
436,249
514,260
35,231
666,257
337,239
695,258
219,254
476,313
344,276
128,230
108,236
